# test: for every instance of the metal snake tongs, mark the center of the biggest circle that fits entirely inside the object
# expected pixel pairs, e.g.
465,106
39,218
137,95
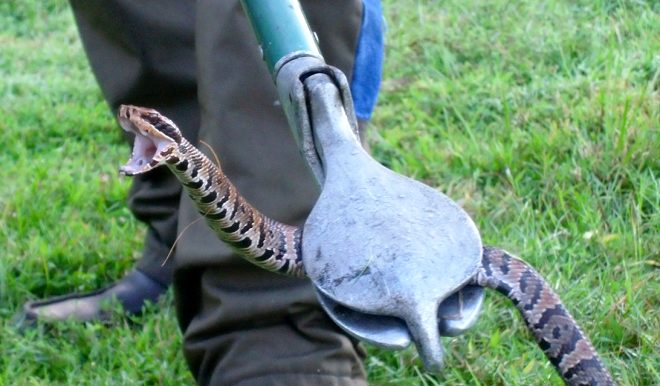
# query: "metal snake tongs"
389,256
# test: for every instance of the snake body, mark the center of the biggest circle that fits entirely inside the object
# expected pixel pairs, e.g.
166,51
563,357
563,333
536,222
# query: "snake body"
275,246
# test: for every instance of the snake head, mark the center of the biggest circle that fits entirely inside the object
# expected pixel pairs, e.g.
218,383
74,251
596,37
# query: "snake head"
156,138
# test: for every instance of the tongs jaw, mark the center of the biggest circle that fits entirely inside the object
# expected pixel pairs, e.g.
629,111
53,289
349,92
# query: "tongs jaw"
390,257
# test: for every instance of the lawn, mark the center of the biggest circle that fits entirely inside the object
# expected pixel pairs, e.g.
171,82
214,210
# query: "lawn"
541,118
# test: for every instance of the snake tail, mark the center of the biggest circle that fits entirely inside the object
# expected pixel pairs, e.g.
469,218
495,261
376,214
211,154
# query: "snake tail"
554,329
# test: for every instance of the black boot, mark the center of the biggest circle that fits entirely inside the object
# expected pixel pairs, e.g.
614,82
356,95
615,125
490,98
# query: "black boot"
132,291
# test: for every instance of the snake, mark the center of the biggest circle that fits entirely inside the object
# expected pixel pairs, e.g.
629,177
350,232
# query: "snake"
276,246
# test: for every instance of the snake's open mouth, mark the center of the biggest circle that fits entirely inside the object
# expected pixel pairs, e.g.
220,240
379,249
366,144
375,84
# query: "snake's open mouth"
150,145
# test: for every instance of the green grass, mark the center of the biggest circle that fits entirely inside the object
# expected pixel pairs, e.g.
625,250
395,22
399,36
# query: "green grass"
540,117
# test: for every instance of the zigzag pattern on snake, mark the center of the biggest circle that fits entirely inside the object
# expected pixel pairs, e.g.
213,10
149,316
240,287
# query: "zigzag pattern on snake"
276,247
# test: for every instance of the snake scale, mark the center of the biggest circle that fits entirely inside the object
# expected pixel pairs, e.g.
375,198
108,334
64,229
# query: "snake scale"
276,247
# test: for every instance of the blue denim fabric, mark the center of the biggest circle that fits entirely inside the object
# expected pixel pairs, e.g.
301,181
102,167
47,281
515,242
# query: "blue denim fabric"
368,67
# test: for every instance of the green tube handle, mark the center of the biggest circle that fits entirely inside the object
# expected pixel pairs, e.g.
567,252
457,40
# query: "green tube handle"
281,29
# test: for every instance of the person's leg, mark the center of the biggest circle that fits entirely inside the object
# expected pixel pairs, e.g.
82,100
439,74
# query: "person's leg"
142,53
243,325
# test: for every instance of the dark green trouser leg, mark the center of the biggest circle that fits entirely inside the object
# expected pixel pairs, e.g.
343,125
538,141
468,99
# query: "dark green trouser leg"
240,325
244,326
142,52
